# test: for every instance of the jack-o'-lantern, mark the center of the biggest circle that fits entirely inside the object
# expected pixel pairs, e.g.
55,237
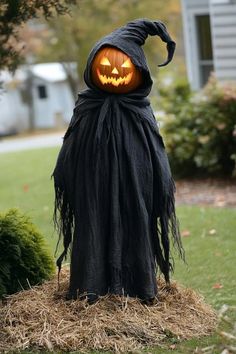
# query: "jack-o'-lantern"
113,71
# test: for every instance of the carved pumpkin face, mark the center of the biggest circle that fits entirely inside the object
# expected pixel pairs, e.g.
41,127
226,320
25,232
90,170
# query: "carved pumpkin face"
113,71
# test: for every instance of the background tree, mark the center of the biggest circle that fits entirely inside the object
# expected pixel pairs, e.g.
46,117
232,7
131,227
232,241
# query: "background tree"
13,13
70,38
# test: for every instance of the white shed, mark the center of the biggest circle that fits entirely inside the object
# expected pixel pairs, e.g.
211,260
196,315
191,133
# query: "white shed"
37,95
210,39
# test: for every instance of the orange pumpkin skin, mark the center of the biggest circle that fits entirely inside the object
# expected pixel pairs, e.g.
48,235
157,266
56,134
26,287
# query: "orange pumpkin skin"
113,71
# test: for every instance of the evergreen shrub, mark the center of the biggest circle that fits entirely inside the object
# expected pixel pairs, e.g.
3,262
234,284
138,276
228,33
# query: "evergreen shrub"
24,257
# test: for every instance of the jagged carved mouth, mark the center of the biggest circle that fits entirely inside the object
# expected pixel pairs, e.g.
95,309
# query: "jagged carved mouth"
115,81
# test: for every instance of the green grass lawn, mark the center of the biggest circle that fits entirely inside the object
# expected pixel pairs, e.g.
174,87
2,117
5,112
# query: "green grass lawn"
25,183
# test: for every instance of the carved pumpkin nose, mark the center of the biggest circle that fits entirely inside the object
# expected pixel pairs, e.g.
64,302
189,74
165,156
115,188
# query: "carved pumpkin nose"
115,71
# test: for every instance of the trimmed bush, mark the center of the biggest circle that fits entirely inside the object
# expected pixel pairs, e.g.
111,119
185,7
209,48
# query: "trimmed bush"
24,258
200,130
174,96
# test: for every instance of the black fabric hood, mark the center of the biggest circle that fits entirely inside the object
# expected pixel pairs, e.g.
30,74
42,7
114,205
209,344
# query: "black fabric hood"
129,39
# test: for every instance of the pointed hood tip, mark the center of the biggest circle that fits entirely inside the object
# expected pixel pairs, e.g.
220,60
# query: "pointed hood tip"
138,31
171,45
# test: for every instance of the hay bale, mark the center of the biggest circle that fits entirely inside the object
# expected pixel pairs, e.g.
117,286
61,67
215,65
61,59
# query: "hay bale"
40,318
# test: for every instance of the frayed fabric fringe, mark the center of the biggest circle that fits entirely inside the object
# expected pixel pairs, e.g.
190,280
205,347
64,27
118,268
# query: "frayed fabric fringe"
63,221
166,224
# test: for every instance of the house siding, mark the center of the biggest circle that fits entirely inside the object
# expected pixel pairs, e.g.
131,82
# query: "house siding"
14,113
191,8
223,31
223,23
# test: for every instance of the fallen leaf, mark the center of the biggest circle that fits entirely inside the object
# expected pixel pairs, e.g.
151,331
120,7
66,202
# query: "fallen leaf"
217,286
25,187
172,347
212,232
185,233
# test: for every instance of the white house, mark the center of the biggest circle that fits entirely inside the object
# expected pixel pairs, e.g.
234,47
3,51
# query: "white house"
36,95
210,39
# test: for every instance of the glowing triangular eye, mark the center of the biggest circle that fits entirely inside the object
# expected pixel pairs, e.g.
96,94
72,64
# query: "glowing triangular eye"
105,61
126,64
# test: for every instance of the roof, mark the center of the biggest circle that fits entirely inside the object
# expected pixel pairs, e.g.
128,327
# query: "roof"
51,72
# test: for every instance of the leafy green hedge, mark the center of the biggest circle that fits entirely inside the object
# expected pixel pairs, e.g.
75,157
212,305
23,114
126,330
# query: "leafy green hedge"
200,129
24,258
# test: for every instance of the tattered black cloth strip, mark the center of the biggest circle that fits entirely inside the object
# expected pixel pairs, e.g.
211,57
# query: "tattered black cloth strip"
97,116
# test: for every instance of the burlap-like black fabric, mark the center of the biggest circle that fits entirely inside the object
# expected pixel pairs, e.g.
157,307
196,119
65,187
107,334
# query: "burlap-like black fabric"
114,191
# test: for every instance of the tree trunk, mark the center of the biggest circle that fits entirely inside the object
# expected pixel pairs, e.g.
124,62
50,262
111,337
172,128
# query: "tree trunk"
72,77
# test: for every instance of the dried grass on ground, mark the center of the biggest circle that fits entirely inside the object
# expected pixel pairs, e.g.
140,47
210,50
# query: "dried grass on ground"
40,318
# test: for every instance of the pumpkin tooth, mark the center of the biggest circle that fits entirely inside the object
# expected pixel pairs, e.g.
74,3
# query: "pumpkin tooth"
113,80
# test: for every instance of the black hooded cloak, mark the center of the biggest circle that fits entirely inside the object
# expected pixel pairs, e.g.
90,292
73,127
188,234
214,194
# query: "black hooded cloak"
114,200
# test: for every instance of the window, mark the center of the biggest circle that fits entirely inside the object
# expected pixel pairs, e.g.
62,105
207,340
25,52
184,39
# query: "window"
42,92
205,54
